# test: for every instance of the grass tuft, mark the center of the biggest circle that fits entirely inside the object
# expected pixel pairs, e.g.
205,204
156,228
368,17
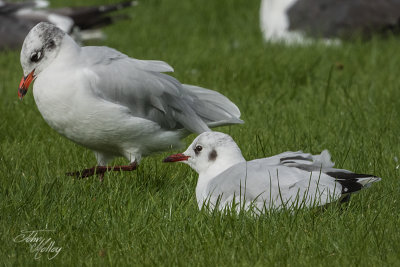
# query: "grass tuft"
345,99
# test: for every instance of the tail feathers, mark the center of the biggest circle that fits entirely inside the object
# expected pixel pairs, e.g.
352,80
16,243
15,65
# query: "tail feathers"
214,108
353,182
323,159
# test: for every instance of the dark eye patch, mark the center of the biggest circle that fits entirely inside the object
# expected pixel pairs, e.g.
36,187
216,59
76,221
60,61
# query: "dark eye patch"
213,155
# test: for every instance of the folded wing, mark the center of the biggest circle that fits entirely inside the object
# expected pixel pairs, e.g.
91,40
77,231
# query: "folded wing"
141,86
288,179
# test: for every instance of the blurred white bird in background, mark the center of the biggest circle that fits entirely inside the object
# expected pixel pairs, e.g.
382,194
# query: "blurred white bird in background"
83,23
274,22
327,21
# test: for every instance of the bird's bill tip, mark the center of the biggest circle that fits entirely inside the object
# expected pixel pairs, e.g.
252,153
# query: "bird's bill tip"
24,84
176,157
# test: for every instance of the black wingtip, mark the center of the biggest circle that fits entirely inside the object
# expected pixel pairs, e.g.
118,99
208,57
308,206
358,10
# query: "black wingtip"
352,182
349,175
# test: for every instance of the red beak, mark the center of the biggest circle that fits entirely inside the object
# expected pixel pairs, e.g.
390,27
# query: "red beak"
24,84
176,157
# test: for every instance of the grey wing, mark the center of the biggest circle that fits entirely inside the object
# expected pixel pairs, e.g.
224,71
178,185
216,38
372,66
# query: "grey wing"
342,18
142,87
275,181
349,181
288,178
300,159
12,36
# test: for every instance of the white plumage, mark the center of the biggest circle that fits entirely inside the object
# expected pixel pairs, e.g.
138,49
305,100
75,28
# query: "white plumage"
114,104
287,180
275,25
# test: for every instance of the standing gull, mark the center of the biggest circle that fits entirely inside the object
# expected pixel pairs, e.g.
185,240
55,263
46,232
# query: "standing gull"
290,179
113,104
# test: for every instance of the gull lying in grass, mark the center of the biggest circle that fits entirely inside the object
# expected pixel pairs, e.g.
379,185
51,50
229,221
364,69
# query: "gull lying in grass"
113,104
287,180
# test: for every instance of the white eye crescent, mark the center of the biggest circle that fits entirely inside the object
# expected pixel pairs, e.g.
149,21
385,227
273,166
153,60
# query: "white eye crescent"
36,56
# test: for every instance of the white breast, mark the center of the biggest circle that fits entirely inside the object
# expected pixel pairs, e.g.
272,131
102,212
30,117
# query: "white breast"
68,105
55,102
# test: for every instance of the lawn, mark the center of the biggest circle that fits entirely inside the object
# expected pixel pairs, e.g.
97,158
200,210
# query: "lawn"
345,99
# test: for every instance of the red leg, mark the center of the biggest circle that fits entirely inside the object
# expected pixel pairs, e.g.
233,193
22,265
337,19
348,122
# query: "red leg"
101,170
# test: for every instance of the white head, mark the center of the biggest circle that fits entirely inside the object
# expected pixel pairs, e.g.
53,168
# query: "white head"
210,151
39,49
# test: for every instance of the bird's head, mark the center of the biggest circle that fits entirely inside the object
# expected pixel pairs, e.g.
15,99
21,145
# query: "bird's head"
39,49
210,151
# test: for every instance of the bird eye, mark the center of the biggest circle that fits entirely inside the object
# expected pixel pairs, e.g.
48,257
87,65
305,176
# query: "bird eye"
36,56
198,149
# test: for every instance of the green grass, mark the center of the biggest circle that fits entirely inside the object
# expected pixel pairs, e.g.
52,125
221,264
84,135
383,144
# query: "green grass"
291,98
